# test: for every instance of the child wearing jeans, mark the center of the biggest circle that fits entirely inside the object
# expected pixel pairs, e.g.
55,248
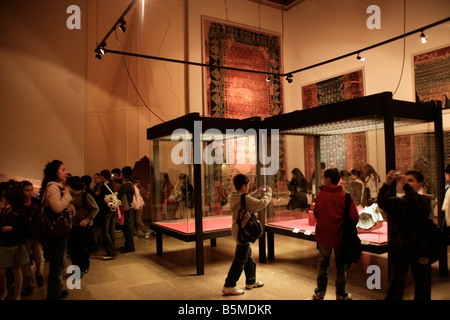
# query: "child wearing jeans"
243,259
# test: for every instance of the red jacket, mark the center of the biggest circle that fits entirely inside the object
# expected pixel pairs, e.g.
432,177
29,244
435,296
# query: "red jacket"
329,212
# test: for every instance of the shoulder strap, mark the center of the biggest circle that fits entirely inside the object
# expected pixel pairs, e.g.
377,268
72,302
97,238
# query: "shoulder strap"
45,192
348,201
243,200
106,185
84,199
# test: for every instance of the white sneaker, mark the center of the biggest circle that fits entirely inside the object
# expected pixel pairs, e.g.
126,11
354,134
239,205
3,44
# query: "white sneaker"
257,284
232,290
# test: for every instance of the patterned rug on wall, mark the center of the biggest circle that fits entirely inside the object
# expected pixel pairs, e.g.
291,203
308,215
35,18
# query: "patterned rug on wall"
346,151
417,151
237,94
432,76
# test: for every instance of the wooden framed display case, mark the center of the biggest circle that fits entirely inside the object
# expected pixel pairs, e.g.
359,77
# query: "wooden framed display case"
192,177
386,121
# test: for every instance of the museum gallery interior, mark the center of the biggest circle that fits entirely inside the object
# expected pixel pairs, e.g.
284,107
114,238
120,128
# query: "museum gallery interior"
190,93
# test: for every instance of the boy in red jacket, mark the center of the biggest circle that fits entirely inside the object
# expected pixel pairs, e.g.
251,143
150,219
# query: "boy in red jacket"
329,212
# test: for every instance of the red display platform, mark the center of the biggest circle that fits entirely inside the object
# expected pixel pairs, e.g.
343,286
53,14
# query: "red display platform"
188,227
378,236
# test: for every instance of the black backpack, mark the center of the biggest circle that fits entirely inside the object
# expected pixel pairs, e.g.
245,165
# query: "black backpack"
250,228
351,244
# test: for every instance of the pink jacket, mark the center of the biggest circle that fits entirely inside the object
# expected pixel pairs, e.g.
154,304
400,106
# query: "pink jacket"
329,212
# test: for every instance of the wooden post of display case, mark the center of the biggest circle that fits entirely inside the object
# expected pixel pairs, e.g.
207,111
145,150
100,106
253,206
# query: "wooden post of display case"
440,182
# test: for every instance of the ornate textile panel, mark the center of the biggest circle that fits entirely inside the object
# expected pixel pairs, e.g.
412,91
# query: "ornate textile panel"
347,151
416,152
432,76
237,94
240,95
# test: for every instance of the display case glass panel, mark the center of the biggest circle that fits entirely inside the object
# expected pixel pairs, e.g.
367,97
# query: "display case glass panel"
340,145
389,135
415,149
222,157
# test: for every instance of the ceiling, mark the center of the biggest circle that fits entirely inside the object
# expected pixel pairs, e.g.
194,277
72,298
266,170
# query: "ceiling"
279,4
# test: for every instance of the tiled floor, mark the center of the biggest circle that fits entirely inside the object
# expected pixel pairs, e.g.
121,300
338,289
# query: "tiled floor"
142,275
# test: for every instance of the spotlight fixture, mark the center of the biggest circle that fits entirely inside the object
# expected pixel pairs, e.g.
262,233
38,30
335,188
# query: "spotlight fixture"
269,78
122,24
98,55
423,39
360,58
289,78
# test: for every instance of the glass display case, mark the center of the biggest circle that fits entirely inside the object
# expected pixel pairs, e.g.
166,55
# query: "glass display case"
390,134
195,159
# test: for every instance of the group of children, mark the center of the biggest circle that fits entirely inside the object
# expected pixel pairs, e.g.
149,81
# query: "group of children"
18,250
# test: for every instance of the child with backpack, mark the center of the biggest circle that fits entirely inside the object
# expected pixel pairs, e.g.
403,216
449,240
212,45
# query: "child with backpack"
243,259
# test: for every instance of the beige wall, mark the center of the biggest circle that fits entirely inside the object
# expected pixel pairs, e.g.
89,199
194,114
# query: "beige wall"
42,84
59,101
116,116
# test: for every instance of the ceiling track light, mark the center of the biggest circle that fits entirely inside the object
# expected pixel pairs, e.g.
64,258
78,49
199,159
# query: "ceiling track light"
122,25
360,58
289,78
100,51
423,38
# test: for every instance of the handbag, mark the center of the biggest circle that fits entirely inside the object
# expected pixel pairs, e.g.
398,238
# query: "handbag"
48,225
111,199
250,228
351,244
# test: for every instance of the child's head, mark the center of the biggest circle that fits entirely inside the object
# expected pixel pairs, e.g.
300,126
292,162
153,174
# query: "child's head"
414,179
75,183
127,172
239,181
356,173
27,189
332,175
182,177
447,172
105,175
87,180
14,196
97,179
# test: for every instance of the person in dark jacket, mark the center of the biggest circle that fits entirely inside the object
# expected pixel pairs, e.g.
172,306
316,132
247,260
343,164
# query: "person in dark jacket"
126,193
407,247
298,187
13,238
86,209
107,217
